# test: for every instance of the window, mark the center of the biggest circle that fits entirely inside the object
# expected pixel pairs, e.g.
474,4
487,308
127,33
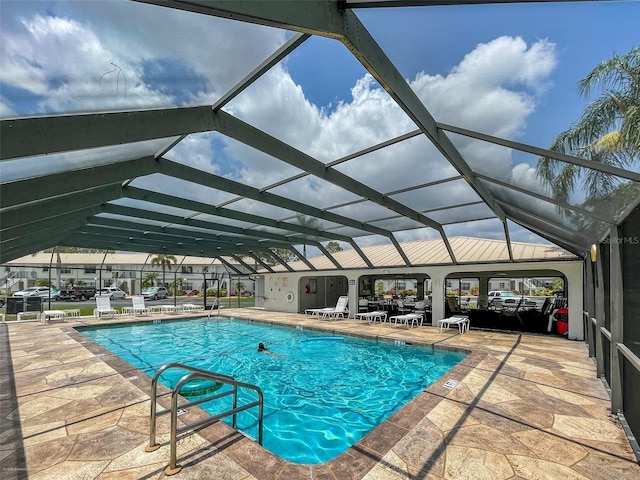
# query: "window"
108,268
187,269
45,269
89,269
65,270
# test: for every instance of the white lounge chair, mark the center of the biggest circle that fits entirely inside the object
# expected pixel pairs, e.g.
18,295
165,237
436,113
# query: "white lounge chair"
137,306
371,317
103,307
330,313
408,319
192,307
462,321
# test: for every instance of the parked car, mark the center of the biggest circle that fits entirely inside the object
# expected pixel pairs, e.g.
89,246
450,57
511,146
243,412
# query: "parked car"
113,293
32,292
155,293
53,294
193,293
502,295
83,293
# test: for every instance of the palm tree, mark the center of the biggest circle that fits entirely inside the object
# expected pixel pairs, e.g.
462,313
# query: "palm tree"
239,288
163,261
149,279
608,130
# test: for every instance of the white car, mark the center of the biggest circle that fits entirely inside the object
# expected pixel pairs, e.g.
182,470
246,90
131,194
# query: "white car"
113,293
155,293
503,295
33,292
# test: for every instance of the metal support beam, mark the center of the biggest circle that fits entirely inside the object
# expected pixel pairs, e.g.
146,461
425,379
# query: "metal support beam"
616,320
45,135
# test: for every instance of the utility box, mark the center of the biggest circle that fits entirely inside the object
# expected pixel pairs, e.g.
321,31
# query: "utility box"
16,305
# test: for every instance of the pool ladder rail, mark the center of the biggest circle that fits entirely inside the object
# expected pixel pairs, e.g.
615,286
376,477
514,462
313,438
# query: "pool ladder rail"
216,306
197,374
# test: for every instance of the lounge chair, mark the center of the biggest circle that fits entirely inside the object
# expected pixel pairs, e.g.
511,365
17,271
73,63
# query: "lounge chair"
330,313
103,307
371,317
192,307
408,319
462,321
137,306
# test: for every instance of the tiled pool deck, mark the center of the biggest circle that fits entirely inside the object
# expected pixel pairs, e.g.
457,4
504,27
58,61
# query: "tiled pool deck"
525,407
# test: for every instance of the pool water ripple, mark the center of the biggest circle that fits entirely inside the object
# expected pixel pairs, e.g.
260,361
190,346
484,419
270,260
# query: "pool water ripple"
322,394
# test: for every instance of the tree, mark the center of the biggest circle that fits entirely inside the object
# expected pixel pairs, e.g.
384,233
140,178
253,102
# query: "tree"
607,132
163,261
149,279
239,288
283,253
309,222
333,247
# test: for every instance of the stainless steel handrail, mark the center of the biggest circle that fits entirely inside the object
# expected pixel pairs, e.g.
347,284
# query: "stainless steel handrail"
215,305
197,373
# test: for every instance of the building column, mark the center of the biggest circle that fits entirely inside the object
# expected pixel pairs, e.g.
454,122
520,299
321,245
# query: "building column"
438,298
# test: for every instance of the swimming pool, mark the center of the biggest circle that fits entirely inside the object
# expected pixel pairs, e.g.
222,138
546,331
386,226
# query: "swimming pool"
321,393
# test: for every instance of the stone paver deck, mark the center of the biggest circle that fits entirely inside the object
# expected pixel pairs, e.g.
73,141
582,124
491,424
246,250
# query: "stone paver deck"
525,407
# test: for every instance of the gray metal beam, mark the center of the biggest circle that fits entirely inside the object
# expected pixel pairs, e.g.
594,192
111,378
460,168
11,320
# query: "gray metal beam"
302,258
238,259
259,260
199,177
548,229
65,221
616,321
76,180
243,132
229,265
248,235
553,201
164,199
44,135
280,259
61,205
542,152
260,70
179,234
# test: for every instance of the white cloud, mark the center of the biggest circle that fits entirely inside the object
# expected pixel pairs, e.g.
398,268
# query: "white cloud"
60,60
61,53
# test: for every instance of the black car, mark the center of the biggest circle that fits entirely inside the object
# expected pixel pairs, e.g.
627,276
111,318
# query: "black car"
83,293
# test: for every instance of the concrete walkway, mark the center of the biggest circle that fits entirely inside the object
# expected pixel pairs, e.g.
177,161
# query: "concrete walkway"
525,407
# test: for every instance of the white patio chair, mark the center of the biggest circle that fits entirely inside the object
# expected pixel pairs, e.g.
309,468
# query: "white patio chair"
103,307
138,307
330,313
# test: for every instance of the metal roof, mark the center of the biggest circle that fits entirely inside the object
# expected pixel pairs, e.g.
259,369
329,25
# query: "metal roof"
123,177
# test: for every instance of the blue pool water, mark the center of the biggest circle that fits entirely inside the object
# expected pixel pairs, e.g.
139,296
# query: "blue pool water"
322,393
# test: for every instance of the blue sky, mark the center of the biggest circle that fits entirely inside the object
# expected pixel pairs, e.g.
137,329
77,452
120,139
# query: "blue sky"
436,39
506,70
